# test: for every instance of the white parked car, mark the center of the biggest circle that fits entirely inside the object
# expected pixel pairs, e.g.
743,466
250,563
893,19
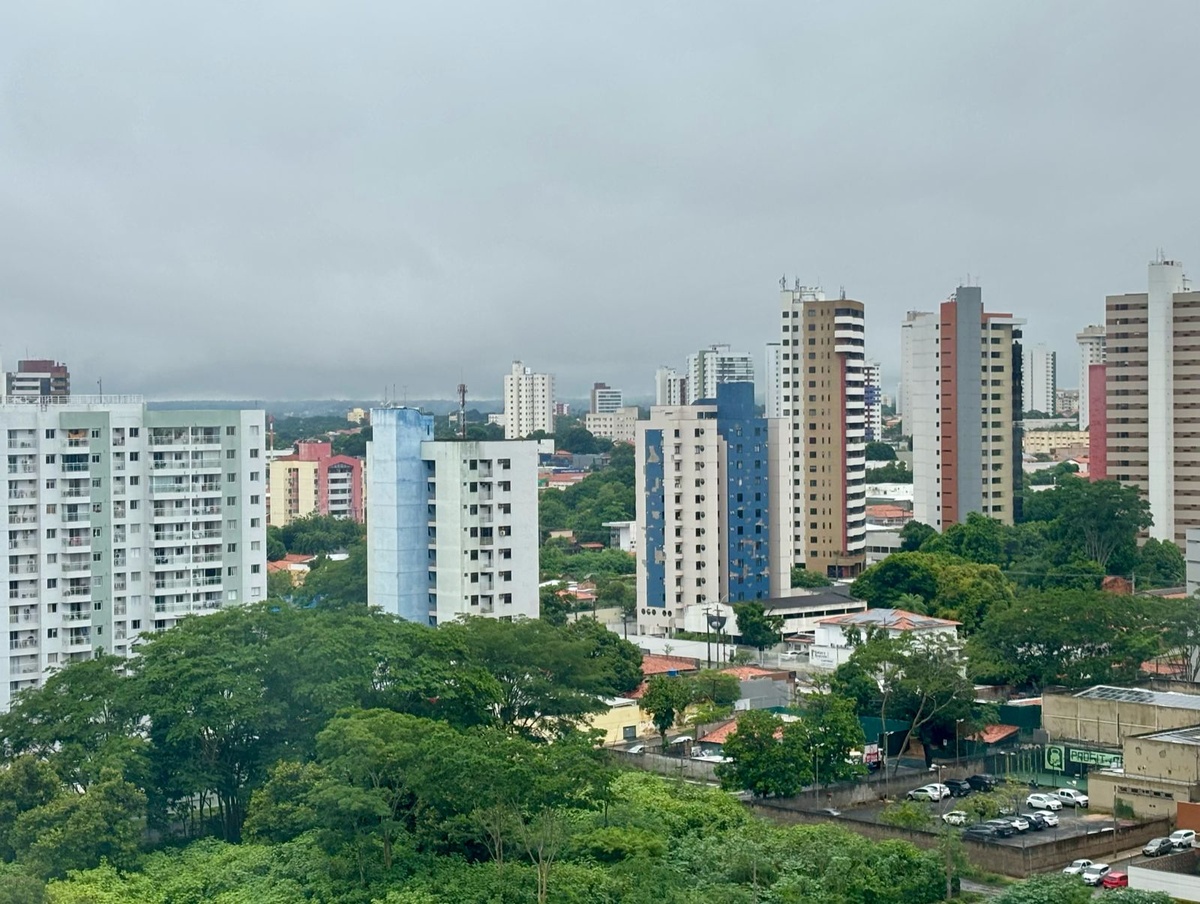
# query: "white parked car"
1051,818
1043,802
1094,873
1071,798
940,791
1182,838
955,818
1076,867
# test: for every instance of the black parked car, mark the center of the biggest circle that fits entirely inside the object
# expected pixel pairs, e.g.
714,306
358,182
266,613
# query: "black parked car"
1156,847
984,832
1036,821
959,787
983,782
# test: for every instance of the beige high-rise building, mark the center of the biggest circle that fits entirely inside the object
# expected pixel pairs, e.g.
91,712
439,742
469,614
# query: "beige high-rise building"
1153,389
821,464
528,402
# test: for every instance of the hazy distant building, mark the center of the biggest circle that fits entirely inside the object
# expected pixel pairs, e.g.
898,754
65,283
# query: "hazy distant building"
873,401
773,380
1153,380
620,426
605,399
711,366
39,378
963,412
314,481
670,387
528,402
454,525
1040,379
906,365
1091,351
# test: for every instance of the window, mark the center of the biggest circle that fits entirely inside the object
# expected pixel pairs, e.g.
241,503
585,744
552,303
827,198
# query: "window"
134,456
51,633
256,522
254,500
254,453
255,569
231,431
231,500
231,453
231,478
255,476
49,459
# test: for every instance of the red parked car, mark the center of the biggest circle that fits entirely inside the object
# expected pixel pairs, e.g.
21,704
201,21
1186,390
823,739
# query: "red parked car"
1115,880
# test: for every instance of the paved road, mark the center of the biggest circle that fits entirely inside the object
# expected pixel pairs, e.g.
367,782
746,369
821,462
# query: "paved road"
979,888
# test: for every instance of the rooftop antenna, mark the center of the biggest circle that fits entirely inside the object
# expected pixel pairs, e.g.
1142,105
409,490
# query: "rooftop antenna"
842,293
797,283
462,410
783,281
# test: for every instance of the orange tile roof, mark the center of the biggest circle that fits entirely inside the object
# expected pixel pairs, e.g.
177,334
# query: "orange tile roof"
898,619
637,692
742,672
721,733
994,734
660,665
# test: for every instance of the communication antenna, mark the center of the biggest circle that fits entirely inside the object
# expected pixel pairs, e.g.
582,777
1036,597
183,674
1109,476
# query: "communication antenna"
462,410
783,281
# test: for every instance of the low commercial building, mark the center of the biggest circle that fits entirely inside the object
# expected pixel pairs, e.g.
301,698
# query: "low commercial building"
1158,771
1047,442
834,643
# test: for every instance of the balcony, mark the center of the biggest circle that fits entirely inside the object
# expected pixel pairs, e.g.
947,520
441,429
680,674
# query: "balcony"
76,542
22,469
77,493
22,494
172,535
77,592
79,640
75,567
173,584
21,444
169,439
170,464
77,616
75,466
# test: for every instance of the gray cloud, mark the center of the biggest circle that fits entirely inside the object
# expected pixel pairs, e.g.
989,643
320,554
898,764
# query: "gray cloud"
299,199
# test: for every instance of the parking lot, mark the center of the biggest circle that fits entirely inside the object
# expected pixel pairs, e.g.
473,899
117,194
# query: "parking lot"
1071,822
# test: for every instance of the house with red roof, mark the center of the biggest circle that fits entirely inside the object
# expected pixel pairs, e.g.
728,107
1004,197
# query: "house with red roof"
834,638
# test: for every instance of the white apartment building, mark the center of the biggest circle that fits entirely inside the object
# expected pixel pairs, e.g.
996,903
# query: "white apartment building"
911,320
605,399
620,426
670,387
121,521
453,528
1040,379
773,380
716,364
1091,351
528,402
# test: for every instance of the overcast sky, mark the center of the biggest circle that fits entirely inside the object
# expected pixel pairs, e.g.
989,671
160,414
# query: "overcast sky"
296,200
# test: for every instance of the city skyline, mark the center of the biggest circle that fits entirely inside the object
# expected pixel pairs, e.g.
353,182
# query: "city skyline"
363,191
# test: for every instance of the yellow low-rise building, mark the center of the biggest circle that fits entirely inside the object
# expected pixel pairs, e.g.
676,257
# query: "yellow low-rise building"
1047,442
625,721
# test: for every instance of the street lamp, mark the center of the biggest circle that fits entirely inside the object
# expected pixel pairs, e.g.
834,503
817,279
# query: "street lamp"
957,722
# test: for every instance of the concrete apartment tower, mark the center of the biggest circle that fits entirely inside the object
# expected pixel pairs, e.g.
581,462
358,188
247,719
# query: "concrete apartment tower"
453,528
123,520
906,366
717,364
528,402
821,458
39,378
963,413
1040,379
873,401
314,481
670,387
1153,376
703,519
1091,351
605,399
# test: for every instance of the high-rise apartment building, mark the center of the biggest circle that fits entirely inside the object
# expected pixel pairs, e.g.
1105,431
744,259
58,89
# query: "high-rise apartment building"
314,481
528,402
121,521
605,399
670,387
714,365
873,401
453,529
1039,380
1091,351
703,513
965,394
822,456
39,378
773,380
1153,381
906,365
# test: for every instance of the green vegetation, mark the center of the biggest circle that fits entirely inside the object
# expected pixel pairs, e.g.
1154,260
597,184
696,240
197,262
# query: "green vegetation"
877,451
314,535
893,472
1069,890
802,577
277,754
606,495
1051,476
755,627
